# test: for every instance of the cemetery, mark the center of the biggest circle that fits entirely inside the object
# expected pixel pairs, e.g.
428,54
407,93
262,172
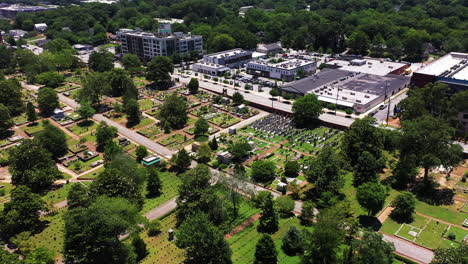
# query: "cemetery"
83,127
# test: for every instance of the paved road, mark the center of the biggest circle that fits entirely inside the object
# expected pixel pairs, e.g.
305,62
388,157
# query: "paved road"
381,115
265,101
161,210
132,135
410,250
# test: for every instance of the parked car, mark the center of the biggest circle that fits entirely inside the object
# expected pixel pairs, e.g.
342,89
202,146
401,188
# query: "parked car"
382,107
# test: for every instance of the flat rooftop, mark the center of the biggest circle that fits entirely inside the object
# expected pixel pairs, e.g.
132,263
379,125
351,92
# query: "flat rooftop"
348,87
169,20
453,65
228,53
26,8
376,67
287,64
139,33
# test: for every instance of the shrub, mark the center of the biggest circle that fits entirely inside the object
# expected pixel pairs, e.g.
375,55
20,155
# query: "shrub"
154,228
2,192
452,236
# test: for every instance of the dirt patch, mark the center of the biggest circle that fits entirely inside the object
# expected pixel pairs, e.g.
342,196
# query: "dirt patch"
242,226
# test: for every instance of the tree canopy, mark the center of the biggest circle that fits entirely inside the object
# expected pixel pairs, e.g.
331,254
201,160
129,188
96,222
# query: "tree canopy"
306,110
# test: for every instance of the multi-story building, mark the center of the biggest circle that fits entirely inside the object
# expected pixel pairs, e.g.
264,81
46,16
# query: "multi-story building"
220,62
11,11
148,45
286,70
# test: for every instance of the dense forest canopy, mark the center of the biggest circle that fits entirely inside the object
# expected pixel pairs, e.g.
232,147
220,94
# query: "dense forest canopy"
385,27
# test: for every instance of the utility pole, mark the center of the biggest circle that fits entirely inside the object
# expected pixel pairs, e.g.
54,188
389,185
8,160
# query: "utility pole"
337,94
388,106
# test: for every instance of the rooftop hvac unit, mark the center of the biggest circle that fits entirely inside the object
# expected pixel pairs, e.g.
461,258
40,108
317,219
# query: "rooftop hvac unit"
366,96
352,93
358,101
344,98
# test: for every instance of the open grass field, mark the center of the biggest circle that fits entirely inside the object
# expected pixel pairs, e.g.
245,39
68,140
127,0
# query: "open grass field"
147,104
174,138
57,195
443,212
243,243
52,236
160,249
145,121
224,120
80,166
83,127
151,131
32,129
92,174
170,183
75,146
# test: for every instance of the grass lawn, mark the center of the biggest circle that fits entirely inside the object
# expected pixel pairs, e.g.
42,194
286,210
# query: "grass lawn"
160,249
58,195
75,146
52,236
224,120
90,138
147,104
170,183
443,212
80,166
145,121
7,187
92,174
243,243
151,131
174,138
34,128
83,127
19,120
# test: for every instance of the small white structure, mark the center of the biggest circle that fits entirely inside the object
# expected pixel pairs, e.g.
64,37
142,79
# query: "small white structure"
413,233
224,157
281,186
58,114
41,27
357,62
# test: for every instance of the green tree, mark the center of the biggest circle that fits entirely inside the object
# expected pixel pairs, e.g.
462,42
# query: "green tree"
57,45
31,112
132,109
47,101
427,141
371,248
269,219
6,122
104,134
404,207
101,61
285,205
86,111
365,169
265,250
307,213
53,139
182,160
174,111
323,244
33,166
453,255
131,63
291,169
204,153
114,183
11,96
40,255
159,71
293,242
92,233
153,185
141,152
372,197
21,213
237,98
50,79
353,144
95,85
359,42
306,110
202,241
213,144
78,196
193,85
239,150
140,248
201,127
222,42
121,84
324,172
263,171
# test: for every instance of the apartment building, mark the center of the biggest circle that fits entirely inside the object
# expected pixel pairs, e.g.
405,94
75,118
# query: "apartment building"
147,45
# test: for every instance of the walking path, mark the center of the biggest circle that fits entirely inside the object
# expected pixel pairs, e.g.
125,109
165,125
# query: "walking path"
242,226
162,209
410,250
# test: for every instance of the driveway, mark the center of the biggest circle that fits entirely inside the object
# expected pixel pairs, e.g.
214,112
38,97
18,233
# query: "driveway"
410,250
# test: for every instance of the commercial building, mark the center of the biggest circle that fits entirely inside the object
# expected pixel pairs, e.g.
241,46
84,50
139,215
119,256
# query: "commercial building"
220,62
11,11
451,69
286,70
346,89
371,66
17,33
244,9
148,45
